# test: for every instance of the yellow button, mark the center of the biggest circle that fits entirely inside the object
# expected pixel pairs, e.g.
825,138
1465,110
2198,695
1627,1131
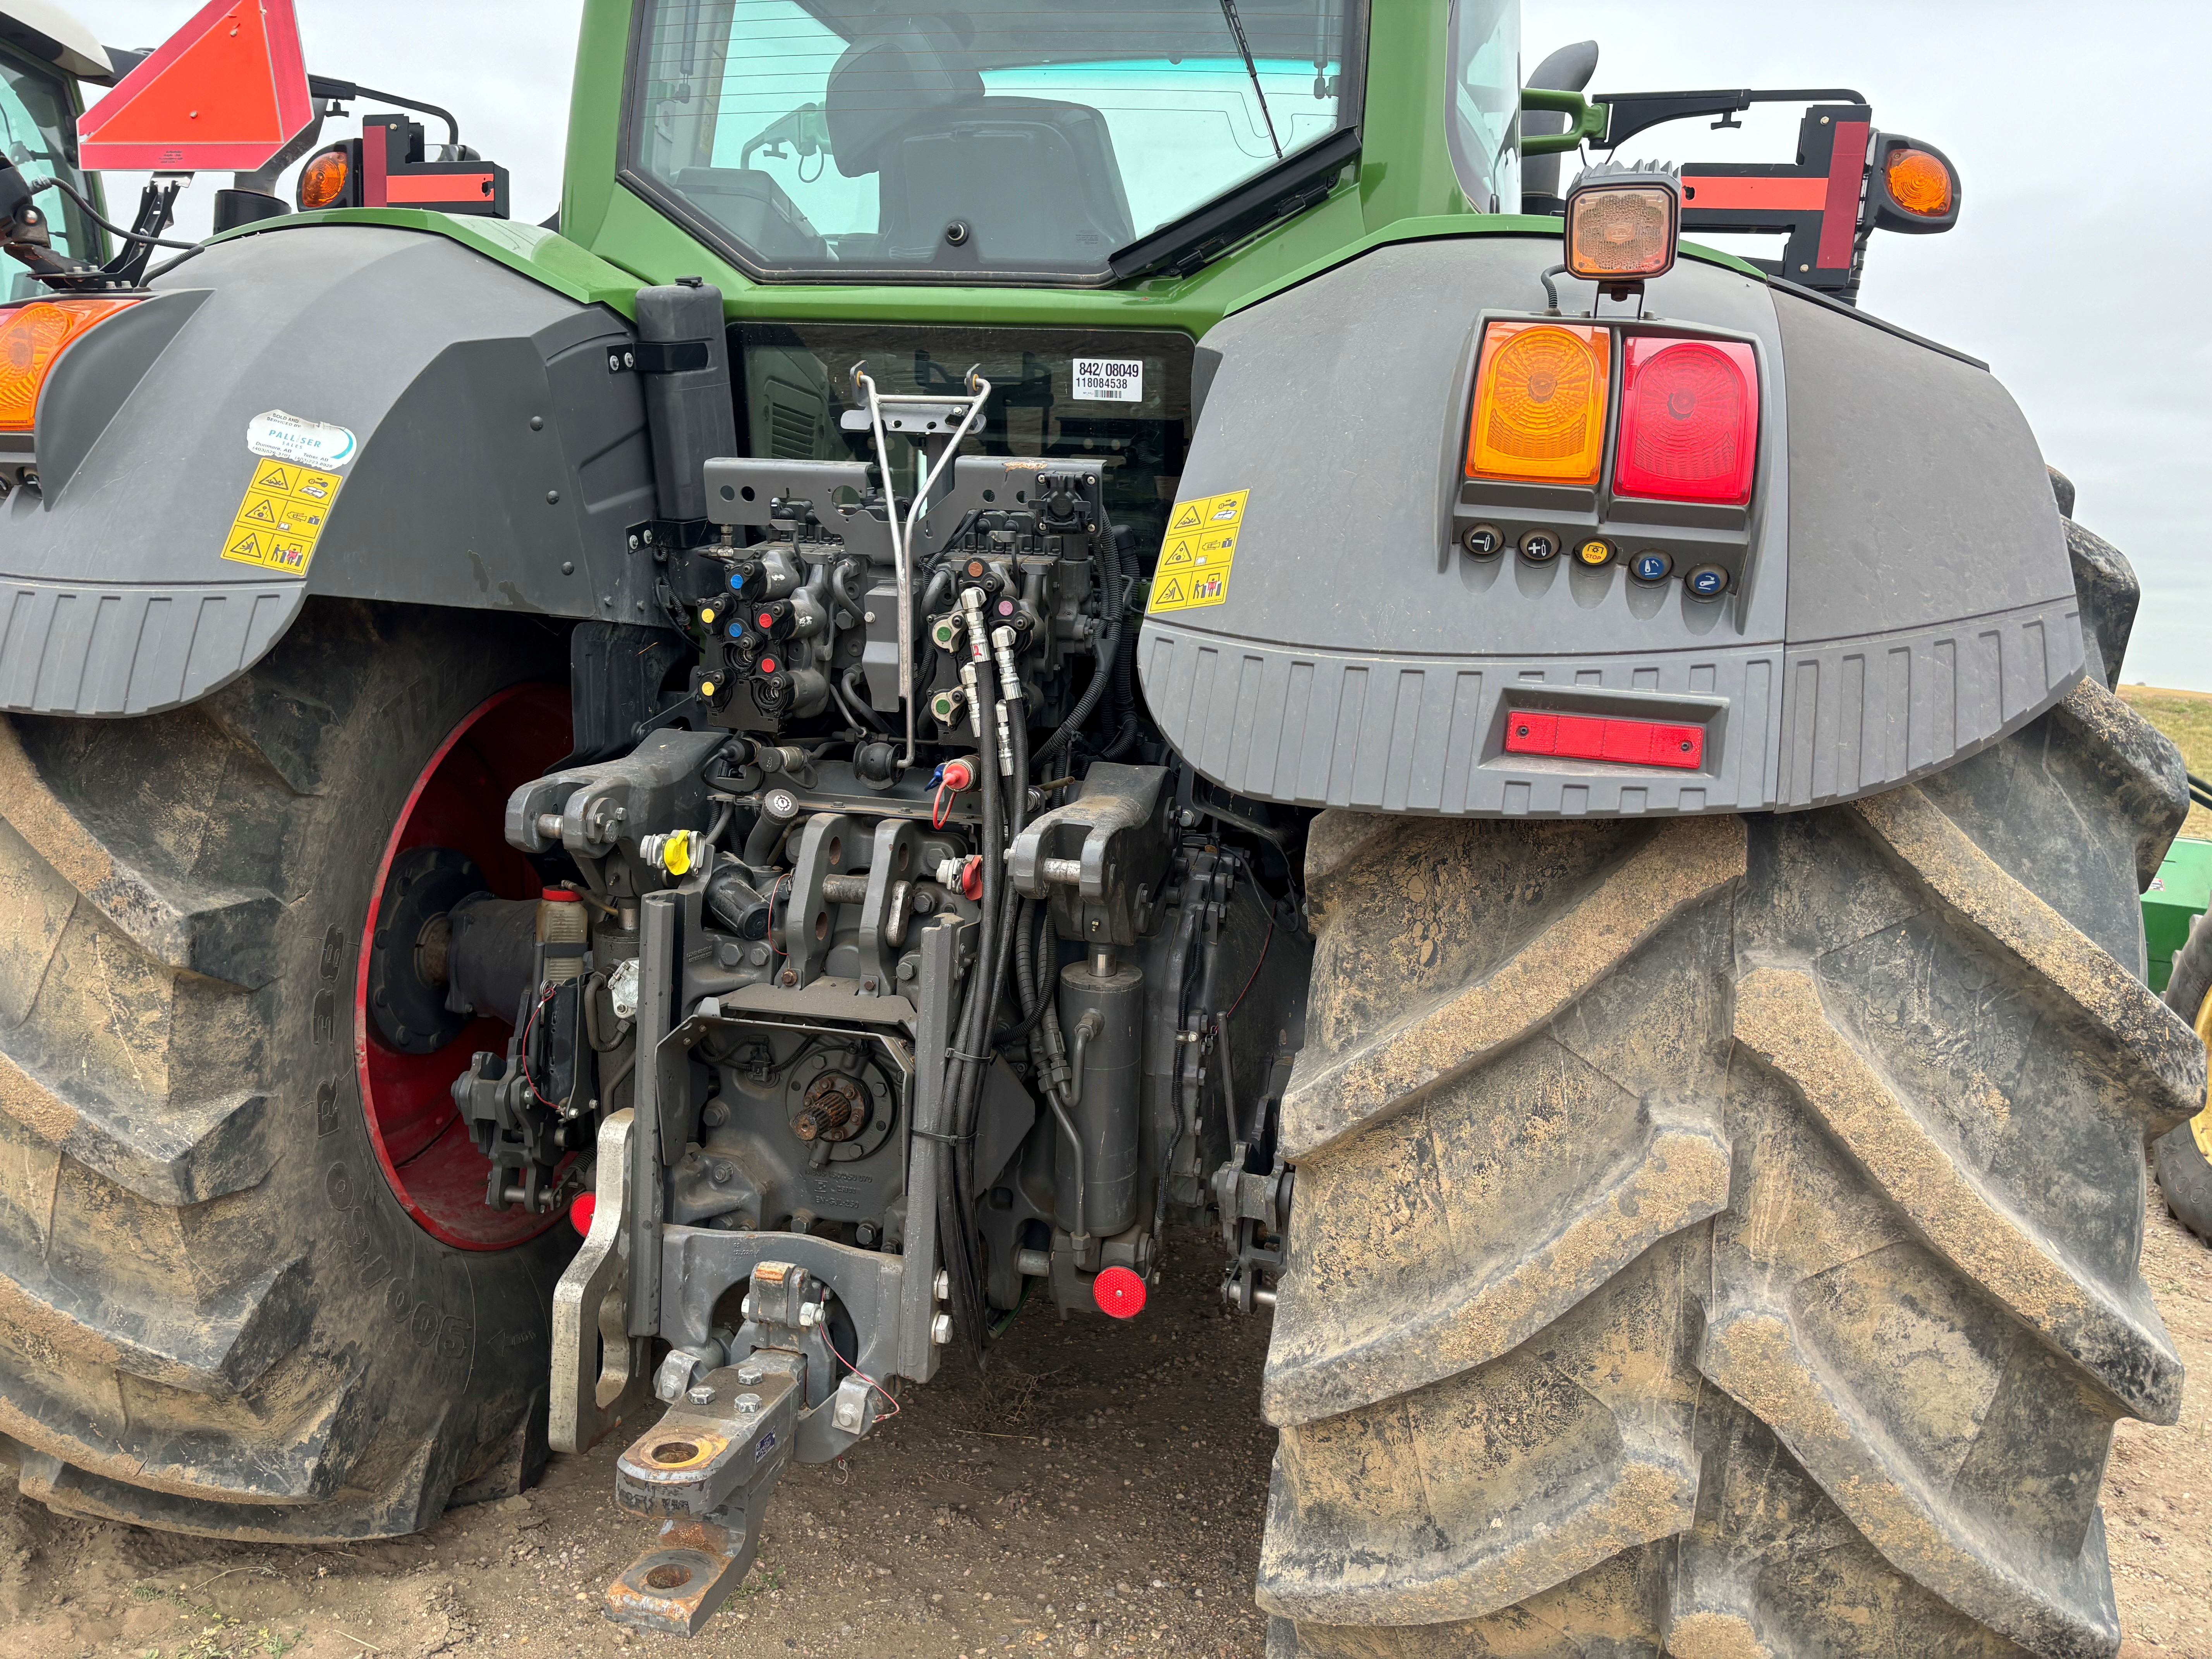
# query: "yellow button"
1595,551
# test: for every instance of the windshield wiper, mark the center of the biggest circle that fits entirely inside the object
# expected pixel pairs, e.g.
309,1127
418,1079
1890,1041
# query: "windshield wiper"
1237,28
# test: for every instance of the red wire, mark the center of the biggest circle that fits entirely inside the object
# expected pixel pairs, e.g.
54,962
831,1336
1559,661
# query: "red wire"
939,812
1257,967
526,1024
831,1343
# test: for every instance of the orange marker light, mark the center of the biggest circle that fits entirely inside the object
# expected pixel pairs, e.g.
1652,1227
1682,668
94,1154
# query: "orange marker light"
323,180
1540,402
32,336
1918,182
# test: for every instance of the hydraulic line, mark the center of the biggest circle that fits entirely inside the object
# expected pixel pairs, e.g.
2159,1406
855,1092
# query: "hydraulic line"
1105,644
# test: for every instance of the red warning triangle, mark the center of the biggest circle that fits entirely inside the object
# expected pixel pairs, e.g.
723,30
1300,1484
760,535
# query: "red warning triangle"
224,94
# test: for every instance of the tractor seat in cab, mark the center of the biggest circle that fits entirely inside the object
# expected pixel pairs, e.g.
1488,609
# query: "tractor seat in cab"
965,177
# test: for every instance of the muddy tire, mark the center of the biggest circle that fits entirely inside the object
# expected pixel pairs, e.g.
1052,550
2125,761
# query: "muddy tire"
2185,1173
1719,1236
215,1315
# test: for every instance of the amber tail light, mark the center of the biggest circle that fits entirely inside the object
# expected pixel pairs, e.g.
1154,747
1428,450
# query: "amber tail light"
1540,402
32,337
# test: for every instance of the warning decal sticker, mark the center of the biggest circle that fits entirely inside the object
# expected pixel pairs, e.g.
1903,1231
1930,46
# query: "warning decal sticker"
281,517
1200,550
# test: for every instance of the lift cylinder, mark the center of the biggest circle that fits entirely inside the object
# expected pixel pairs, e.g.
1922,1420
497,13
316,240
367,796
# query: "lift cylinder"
1106,1108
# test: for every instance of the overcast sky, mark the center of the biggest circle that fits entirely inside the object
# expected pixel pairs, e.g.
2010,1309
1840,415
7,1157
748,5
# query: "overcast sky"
2075,270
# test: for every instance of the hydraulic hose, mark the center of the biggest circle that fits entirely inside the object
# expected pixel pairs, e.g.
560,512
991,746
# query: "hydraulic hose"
1105,644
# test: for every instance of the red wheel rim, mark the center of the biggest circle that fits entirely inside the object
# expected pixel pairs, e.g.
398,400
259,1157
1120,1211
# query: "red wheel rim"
459,801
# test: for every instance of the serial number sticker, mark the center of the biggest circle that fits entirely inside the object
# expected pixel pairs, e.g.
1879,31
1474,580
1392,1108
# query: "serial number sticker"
1109,380
281,517
1200,549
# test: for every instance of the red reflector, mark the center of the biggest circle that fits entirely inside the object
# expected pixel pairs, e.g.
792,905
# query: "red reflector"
1619,743
580,1211
1689,421
1119,1292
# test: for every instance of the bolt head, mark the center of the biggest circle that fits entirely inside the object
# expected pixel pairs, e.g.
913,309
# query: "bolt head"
702,1396
747,1404
940,1329
750,1375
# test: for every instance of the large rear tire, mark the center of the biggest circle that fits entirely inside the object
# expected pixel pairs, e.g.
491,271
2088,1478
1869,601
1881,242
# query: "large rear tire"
2185,1169
1720,1238
217,1313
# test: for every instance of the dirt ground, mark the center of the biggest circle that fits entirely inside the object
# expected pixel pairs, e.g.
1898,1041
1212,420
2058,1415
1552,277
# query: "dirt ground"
1028,1521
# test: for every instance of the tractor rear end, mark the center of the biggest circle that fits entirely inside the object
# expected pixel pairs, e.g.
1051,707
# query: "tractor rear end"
1020,641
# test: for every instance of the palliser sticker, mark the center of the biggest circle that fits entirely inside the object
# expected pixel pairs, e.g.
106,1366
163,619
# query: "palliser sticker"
1201,549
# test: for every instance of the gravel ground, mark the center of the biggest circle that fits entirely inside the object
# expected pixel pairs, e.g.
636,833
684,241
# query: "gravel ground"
1052,1513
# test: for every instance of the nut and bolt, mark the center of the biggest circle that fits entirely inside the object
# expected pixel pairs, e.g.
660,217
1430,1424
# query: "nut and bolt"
942,1286
747,1404
940,1329
749,1377
702,1396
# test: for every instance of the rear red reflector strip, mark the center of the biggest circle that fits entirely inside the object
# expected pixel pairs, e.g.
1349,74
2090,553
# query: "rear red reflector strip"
1619,742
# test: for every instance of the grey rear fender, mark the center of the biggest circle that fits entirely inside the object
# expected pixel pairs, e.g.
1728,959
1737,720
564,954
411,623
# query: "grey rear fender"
1899,593
497,462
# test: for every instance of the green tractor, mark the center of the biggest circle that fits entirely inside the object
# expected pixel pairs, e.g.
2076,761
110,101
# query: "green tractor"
2181,966
1035,635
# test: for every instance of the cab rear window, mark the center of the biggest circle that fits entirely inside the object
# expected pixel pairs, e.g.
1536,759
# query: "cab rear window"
816,137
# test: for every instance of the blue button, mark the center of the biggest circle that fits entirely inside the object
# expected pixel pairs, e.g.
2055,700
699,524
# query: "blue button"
1650,566
1708,582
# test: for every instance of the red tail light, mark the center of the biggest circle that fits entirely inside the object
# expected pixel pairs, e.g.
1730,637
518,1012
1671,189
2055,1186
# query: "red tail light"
1624,743
1689,421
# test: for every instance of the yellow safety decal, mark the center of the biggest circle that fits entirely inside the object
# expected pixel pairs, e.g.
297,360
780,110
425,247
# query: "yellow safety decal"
281,517
2200,1127
1201,549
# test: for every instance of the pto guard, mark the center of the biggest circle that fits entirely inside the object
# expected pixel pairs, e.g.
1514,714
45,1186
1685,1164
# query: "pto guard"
1902,595
425,426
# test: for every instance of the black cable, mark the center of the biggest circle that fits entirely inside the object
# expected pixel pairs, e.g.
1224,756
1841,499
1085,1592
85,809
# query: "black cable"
431,1142
92,213
2199,790
963,1075
168,266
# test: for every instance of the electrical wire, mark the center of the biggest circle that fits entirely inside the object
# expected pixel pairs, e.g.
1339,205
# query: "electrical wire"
431,1142
92,213
168,266
831,1342
526,1026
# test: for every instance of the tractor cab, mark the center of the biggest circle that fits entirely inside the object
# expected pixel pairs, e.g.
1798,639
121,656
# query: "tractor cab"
46,58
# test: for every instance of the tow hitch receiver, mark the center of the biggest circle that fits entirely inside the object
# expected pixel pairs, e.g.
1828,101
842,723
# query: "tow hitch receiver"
707,1469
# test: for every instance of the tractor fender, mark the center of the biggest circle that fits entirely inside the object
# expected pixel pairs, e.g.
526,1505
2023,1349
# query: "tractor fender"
1901,595
493,456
